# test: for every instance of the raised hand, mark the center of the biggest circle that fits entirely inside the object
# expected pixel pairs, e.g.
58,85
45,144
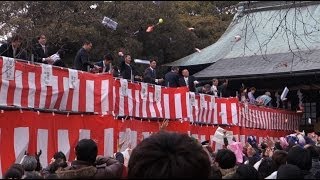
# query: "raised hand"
164,124
37,155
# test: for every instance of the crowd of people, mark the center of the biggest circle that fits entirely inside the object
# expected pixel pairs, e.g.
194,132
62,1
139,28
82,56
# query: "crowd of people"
174,155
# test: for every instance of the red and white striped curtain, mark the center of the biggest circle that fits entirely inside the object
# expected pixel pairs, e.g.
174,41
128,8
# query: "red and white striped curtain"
171,104
207,109
91,92
32,86
267,118
31,131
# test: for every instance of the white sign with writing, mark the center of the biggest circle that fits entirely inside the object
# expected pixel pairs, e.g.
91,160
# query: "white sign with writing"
8,68
73,78
203,102
192,99
212,102
157,93
124,87
144,91
46,75
284,94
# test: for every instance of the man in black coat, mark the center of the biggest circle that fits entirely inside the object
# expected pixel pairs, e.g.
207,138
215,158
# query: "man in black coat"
187,80
150,74
41,51
13,49
172,78
81,61
127,70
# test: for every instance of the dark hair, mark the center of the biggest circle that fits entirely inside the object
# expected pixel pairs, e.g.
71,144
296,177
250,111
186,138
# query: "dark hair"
15,171
58,163
226,159
265,168
119,156
168,155
174,68
278,146
60,155
279,158
314,153
252,88
29,163
224,80
264,145
289,171
16,37
108,57
86,42
245,171
38,37
299,157
153,59
86,150
215,173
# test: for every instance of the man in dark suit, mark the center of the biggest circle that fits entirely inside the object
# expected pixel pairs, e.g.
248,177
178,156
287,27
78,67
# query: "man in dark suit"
81,61
13,49
127,70
172,78
150,74
41,51
187,80
105,66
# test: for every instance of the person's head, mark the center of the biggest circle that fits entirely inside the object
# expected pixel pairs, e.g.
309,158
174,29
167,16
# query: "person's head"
252,90
60,155
225,82
175,69
29,163
268,93
168,155
215,82
15,171
245,171
119,156
278,146
16,41
185,73
108,58
279,158
127,58
87,45
61,52
289,171
42,39
206,88
313,151
215,173
58,163
226,159
299,157
153,62
266,168
86,150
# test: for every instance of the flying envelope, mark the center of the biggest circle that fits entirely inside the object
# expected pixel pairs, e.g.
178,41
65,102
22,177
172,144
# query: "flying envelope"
107,22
